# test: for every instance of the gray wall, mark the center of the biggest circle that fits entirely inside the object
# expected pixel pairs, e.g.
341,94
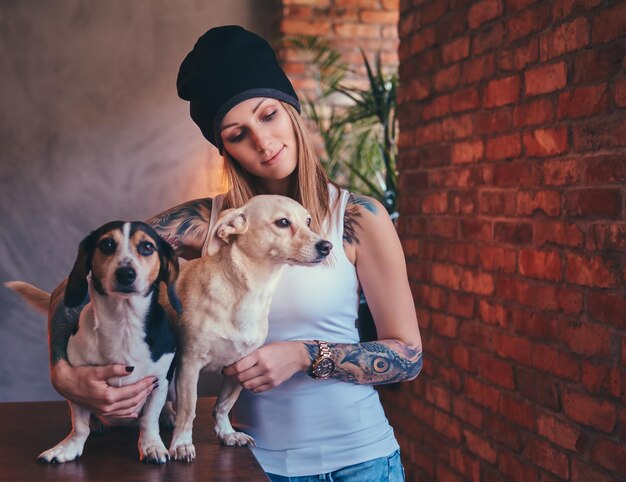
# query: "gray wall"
91,130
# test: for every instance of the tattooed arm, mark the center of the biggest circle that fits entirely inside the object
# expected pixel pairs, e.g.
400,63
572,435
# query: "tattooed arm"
371,243
185,226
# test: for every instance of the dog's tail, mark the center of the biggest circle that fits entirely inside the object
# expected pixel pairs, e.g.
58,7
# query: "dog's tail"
38,299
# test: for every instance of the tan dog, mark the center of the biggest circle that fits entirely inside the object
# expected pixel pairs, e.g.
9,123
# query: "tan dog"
226,298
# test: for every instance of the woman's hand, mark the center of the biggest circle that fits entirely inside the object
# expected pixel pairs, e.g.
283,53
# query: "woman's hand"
270,365
87,386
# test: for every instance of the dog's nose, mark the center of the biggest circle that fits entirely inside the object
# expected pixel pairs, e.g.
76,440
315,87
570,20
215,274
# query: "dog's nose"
125,276
324,247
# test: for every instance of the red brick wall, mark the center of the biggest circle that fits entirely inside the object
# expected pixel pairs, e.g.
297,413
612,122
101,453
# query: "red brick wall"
512,214
348,25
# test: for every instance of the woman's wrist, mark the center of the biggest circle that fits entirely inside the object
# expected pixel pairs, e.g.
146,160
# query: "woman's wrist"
58,374
305,355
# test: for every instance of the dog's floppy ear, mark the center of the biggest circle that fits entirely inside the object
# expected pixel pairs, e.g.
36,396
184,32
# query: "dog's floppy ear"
230,223
168,273
76,288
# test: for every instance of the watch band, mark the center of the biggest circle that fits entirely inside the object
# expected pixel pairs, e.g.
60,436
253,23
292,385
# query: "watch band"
323,366
324,349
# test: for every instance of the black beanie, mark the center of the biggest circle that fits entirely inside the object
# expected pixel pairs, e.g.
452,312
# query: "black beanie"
227,66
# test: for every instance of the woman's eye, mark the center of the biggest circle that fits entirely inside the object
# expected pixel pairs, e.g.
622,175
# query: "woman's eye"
270,116
145,248
283,223
237,138
107,246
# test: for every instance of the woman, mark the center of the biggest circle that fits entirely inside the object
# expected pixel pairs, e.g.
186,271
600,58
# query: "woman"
308,399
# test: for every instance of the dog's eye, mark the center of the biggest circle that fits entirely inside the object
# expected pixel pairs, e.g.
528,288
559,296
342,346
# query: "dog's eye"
308,222
145,248
283,223
107,245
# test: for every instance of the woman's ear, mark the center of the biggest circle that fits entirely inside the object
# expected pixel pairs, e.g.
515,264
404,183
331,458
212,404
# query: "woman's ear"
230,223
76,288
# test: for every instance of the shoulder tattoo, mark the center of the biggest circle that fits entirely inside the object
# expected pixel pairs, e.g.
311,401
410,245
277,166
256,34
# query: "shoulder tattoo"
352,215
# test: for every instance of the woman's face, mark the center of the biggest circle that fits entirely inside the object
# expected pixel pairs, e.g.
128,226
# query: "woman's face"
259,135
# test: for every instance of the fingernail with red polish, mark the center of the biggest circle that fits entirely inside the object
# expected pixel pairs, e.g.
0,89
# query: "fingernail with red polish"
130,369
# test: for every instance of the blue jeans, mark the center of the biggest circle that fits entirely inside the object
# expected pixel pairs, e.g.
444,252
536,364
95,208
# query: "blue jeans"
383,469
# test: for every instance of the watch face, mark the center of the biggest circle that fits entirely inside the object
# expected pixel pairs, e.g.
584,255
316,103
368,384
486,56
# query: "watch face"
325,368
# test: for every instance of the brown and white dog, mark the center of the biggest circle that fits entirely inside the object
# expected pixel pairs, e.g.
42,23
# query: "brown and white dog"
226,297
123,323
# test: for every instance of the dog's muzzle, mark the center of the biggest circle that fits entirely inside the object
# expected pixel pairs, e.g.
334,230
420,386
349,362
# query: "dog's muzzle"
125,276
323,248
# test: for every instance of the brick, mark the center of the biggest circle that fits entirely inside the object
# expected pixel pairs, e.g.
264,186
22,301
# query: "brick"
566,8
527,22
598,64
558,233
502,91
498,203
582,472
496,371
417,89
519,57
449,376
565,38
620,92
518,411
477,68
558,432
493,314
516,471
513,232
463,202
503,147
482,394
465,99
455,50
540,264
503,431
460,305
428,134
538,388
604,169
546,142
476,230
434,155
355,30
482,12
447,78
545,79
435,203
497,258
604,202
480,447
516,174
533,324
463,253
589,411
596,271
538,111
468,152
463,358
542,297
438,107
442,227
556,362
609,307
583,102
475,334
603,133
563,172
488,38
465,464
512,347
304,27
439,396
446,275
379,17
587,338
467,412
602,380
446,475
547,457
492,121
609,455
609,24
457,127
447,426
530,203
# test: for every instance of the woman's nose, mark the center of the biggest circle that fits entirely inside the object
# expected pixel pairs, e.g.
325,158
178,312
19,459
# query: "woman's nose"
263,142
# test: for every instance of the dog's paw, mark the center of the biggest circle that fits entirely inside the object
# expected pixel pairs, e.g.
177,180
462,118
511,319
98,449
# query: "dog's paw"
183,452
236,439
154,454
63,452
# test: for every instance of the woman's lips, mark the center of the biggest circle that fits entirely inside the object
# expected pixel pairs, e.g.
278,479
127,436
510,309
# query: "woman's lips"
275,158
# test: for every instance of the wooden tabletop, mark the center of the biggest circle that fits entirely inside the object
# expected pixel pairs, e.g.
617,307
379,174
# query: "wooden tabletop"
27,429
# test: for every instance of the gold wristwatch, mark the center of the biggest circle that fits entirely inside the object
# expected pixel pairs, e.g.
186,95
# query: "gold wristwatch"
323,366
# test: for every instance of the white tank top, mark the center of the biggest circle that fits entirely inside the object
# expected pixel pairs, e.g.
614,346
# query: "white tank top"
307,426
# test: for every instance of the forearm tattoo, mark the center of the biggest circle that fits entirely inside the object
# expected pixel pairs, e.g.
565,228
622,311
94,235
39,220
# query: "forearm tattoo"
352,215
62,323
185,226
373,362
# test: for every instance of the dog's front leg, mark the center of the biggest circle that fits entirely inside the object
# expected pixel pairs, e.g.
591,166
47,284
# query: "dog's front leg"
72,446
151,447
187,373
229,392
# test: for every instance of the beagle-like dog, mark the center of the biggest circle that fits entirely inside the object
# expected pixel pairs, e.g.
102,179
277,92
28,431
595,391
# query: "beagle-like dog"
226,295
120,265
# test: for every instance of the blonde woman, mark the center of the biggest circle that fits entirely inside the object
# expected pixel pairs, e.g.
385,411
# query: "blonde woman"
308,398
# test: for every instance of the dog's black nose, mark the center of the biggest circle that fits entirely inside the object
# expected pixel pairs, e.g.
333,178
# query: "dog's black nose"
125,276
324,247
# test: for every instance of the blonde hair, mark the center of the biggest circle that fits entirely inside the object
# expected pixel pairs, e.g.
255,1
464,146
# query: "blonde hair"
308,185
